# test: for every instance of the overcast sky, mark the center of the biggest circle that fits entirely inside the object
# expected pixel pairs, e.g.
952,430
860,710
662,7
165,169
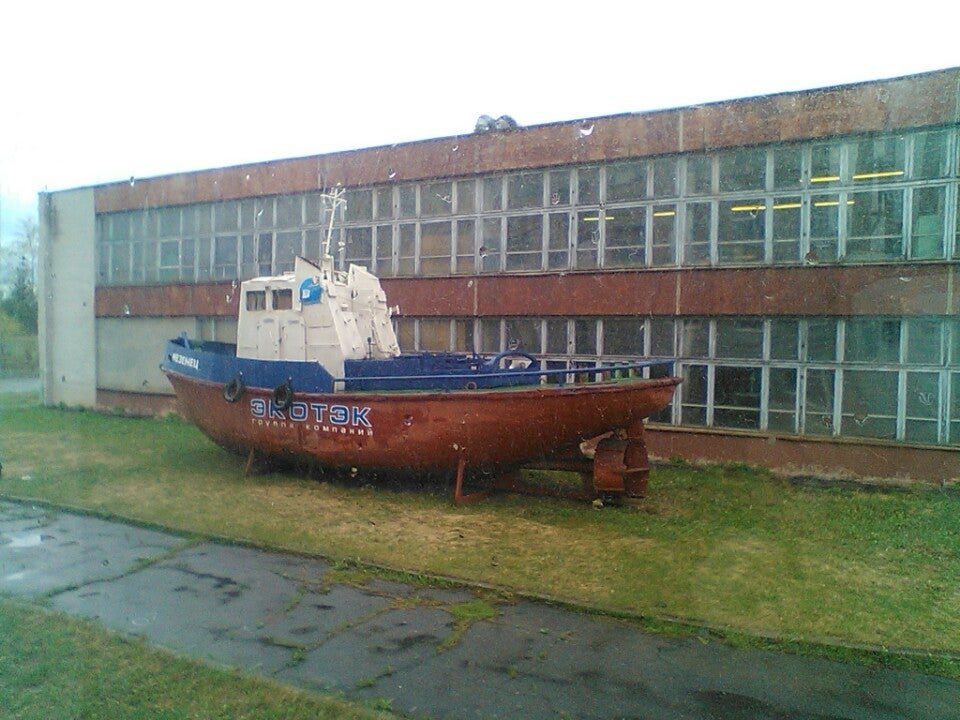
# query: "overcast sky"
99,91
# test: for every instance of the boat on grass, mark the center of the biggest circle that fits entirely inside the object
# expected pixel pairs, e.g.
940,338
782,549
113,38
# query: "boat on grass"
317,375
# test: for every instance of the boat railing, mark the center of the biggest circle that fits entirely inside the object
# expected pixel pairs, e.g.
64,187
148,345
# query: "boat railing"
558,376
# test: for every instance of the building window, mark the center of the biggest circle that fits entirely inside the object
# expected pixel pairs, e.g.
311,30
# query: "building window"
435,244
927,223
875,225
625,241
626,181
740,236
696,245
664,240
525,191
524,242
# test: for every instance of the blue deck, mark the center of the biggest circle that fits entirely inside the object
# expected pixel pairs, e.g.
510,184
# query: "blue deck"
217,362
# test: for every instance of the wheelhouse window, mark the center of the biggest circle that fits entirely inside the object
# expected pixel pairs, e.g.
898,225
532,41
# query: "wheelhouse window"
256,300
283,299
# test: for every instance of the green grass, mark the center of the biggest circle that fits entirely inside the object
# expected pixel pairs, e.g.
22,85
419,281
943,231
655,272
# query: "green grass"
54,666
730,547
18,356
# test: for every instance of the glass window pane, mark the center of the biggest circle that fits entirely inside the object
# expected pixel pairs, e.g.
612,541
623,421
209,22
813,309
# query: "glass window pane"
406,261
930,154
523,333
696,246
384,203
524,242
626,230
384,250
736,397
492,194
525,191
869,404
787,167
490,247
463,336
559,241
824,165
434,334
435,244
664,235
169,222
875,225
745,169
824,228
627,181
290,209
560,187
929,206
819,402
358,247
557,336
924,341
877,159
954,408
436,199
408,201
585,336
262,214
739,338
665,177
170,254
311,209
406,333
225,257
784,339
187,259
226,216
782,402
623,336
693,393
699,175
282,299
466,197
923,407
588,238
490,335
289,246
822,340
588,184
465,242
662,337
741,231
872,340
786,230
696,338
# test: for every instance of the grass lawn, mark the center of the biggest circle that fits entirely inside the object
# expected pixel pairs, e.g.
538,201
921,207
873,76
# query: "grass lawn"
727,546
53,666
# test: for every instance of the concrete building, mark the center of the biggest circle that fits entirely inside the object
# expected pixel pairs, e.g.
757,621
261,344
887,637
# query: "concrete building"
795,256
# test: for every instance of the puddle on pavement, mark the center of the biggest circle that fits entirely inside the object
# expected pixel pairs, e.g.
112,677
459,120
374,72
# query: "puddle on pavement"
25,540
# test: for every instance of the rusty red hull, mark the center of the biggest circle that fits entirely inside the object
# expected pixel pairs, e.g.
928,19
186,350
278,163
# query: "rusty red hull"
421,431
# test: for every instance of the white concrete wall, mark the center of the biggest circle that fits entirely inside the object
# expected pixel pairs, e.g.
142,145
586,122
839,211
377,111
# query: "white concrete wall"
129,351
67,335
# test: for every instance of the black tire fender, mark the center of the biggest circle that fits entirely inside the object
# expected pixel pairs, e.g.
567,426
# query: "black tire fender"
282,396
234,389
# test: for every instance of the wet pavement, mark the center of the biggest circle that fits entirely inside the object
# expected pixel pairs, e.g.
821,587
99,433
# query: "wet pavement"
287,617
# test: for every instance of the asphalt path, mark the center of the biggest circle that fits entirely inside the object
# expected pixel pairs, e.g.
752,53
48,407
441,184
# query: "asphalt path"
286,617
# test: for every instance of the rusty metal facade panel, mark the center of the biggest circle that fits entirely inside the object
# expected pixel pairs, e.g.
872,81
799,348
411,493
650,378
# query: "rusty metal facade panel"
815,291
806,456
923,100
